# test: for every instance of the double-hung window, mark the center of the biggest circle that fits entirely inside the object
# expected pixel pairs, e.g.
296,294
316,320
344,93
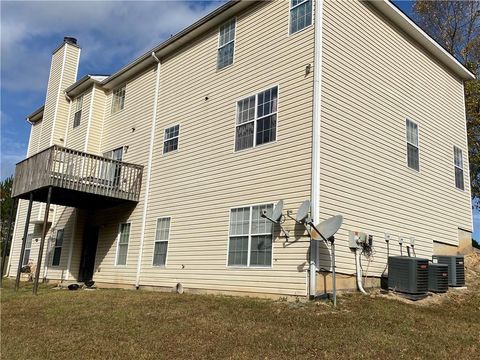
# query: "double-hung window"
57,251
458,166
161,242
118,99
413,159
250,239
28,248
226,44
78,111
170,139
300,15
122,244
256,122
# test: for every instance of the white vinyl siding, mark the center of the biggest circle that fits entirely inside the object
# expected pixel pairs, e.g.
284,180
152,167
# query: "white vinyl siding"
458,166
57,251
256,122
300,15
78,111
250,241
226,44
413,156
118,99
162,235
122,244
170,140
28,249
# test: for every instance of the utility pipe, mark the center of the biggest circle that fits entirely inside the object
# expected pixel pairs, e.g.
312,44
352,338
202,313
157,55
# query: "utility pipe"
359,272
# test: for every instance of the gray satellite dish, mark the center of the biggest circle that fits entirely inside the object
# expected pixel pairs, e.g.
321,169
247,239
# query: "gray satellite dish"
326,229
303,211
276,217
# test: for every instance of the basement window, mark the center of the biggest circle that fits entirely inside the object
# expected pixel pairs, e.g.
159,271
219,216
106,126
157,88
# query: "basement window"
162,235
122,244
57,252
256,122
78,111
458,166
300,15
170,139
413,158
28,249
250,240
118,99
226,44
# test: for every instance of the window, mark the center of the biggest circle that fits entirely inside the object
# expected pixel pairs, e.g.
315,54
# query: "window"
226,44
122,245
458,165
250,241
57,252
118,99
28,248
78,111
413,160
256,122
170,140
113,171
300,15
161,242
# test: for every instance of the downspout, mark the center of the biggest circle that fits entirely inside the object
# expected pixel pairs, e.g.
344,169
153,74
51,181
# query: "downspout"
149,171
316,120
359,272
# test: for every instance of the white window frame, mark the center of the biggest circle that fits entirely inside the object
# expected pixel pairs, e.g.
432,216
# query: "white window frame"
118,243
27,248
118,106
174,137
78,109
156,240
248,266
221,46
455,167
290,16
255,119
55,247
409,143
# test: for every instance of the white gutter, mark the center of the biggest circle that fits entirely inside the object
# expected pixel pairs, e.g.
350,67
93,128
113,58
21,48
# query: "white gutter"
316,120
149,171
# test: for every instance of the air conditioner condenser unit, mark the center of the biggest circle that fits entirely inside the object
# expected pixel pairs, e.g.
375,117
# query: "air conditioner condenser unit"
438,278
408,274
456,268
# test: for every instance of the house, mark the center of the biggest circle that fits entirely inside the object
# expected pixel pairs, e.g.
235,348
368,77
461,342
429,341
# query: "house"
158,174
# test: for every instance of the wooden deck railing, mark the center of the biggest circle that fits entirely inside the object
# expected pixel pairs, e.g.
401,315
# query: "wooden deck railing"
75,170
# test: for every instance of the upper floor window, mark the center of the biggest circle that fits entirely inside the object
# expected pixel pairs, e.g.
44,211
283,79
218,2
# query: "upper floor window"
57,252
118,99
78,111
256,122
458,165
122,244
413,159
250,240
226,44
170,139
161,242
300,15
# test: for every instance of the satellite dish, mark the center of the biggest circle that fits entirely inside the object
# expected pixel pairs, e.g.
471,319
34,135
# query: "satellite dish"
326,229
277,211
303,211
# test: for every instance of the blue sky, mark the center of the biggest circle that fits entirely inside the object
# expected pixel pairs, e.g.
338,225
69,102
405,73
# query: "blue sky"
111,33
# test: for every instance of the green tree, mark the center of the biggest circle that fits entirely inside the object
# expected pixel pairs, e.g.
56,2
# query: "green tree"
456,26
6,203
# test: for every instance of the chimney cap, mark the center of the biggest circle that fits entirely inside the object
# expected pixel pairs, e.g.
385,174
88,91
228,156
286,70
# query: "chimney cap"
70,40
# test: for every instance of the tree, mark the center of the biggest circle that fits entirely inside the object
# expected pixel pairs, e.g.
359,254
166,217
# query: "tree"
456,26
6,203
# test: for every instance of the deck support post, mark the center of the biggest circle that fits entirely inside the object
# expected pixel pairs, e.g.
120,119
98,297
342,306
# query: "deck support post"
42,242
7,238
24,240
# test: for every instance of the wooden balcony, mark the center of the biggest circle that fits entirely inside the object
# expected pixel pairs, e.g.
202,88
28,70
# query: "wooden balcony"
77,179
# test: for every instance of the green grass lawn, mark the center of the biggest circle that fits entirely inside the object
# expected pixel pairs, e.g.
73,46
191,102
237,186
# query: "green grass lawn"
128,324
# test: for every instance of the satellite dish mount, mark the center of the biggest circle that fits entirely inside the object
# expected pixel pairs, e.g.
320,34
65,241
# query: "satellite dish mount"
276,217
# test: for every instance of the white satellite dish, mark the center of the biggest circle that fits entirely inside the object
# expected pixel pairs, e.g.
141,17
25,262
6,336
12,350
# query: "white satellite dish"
276,216
303,211
326,229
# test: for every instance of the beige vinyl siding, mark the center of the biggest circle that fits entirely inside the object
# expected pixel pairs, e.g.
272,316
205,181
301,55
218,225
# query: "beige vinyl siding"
76,241
198,185
34,137
96,122
76,137
374,77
